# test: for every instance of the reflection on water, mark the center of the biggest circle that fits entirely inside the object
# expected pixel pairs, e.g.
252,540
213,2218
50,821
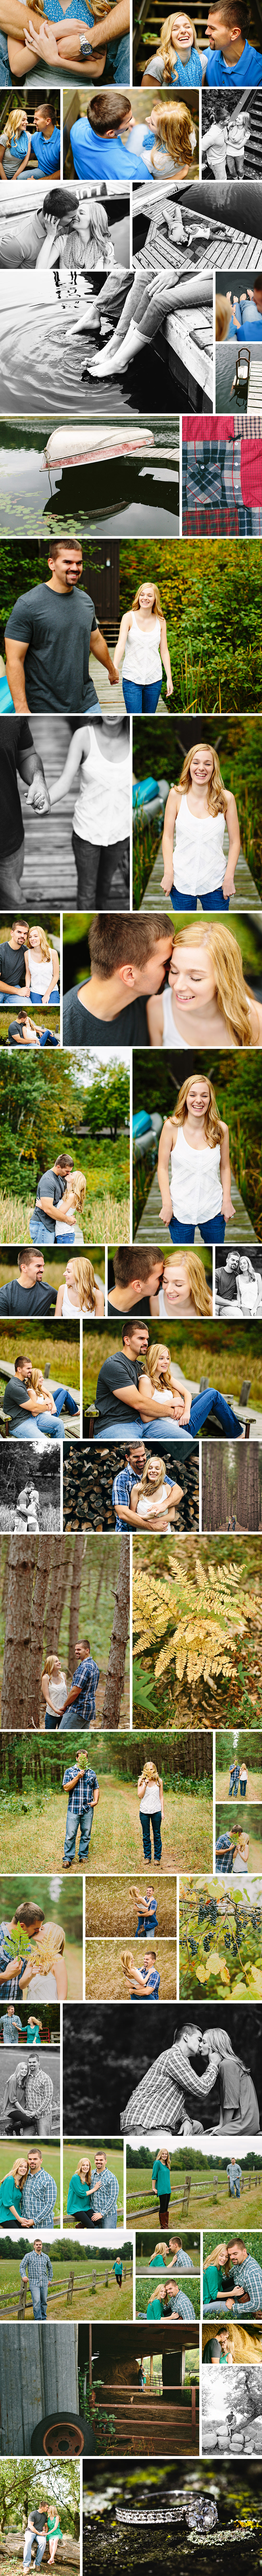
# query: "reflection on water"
35,352
136,499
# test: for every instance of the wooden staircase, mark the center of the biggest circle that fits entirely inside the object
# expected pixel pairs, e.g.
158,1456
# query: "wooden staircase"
148,18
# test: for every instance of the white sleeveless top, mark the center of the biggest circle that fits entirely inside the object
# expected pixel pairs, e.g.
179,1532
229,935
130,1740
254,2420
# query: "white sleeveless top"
157,1501
195,1186
68,1308
57,1694
249,1294
102,810
142,657
199,859
41,971
171,1035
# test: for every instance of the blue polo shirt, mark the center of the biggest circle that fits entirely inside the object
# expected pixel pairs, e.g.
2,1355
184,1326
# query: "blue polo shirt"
103,156
47,153
245,73
248,323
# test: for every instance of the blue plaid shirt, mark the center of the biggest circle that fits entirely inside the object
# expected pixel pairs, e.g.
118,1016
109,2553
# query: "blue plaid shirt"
107,2193
183,2261
234,2174
83,1794
39,2196
38,2268
9,2026
88,1674
9,1991
248,2276
182,2307
121,1490
154,1983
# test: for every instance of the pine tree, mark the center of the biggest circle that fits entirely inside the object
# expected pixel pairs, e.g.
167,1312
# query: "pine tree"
117,1654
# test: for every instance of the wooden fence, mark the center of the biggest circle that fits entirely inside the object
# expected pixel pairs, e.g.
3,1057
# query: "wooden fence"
75,2282
138,2208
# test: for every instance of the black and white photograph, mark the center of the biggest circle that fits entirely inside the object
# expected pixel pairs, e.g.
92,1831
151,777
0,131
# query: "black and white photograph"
238,340
29,2080
29,1504
232,2412
173,2082
231,135
65,789
238,1283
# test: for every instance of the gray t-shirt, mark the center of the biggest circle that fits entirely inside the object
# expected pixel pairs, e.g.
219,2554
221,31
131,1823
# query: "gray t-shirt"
16,1300
50,1187
14,1398
57,631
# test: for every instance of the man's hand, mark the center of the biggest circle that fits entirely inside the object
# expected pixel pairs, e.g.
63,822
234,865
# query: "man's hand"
38,794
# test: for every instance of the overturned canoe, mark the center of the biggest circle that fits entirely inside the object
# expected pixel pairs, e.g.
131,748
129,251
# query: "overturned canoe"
90,446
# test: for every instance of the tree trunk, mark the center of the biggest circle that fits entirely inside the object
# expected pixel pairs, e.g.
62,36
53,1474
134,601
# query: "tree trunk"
74,1630
117,1651
17,1635
37,1628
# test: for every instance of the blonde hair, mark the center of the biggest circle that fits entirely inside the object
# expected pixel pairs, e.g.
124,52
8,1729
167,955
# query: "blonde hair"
166,48
84,1279
149,1773
154,1364
44,944
13,125
174,126
84,2160
196,1274
231,993
127,1961
156,611
216,2256
36,1381
76,1189
51,1946
162,2157
213,1124
50,1660
219,2043
223,317
216,798
19,2160
145,1486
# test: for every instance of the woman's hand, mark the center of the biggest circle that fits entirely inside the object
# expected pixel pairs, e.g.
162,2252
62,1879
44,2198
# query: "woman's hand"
169,688
166,1211
227,1210
167,888
44,45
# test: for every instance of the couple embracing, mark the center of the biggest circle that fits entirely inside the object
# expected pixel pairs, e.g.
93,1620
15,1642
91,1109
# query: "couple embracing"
162,2095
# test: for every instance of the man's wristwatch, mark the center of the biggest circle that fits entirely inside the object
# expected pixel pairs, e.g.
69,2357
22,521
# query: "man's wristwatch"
85,49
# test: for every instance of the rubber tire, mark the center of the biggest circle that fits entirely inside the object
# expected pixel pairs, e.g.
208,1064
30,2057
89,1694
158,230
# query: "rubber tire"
76,2436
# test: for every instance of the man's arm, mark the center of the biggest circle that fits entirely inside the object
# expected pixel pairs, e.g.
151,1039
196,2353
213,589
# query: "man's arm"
15,659
99,647
31,769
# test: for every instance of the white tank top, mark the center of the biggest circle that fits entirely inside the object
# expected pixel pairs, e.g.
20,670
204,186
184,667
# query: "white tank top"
163,1309
150,1800
195,1186
41,971
57,1693
158,1502
249,1295
142,657
171,1035
102,810
199,859
68,1307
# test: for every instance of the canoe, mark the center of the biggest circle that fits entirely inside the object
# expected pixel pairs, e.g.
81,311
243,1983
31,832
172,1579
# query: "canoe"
90,446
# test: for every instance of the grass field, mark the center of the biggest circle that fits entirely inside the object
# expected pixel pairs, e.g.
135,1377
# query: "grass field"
105,1220
12,2147
86,2302
117,1842
109,1903
105,1979
71,2159
144,2292
202,2198
253,1797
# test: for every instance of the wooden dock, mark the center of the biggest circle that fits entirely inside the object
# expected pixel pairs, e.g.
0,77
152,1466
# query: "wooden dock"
241,1232
49,874
245,897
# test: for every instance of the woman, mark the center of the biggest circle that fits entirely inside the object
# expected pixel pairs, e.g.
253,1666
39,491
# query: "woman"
172,153
154,1492
179,60
70,1207
22,1032
213,2270
151,1794
82,239
11,2194
243,1776
142,1983
218,2350
81,1294
45,1976
198,810
184,1289
147,1912
54,2533
238,2100
63,43
158,2259
232,1858
206,997
143,641
34,2031
55,1691
196,1140
190,1411
15,145
79,2193
161,2185
238,1286
42,968
101,822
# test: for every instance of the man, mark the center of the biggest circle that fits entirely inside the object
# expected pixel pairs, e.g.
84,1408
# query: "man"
30,1294
28,1915
39,2271
234,1778
232,1854
129,955
48,639
84,1796
104,2206
128,1475
36,2530
231,62
246,319
45,140
99,140
50,1190
234,2177
218,2349
10,2024
182,2261
39,2192
17,756
160,2097
81,1697
138,1276
248,2281
117,1393
12,962
30,1413
31,2106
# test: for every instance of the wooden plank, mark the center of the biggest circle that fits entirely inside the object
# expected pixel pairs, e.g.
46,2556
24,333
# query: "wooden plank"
194,358
240,1232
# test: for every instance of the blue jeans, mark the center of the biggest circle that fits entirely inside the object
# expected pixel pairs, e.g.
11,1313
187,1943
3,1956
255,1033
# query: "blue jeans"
141,702
203,1404
26,1430
188,902
235,2189
40,1230
71,1718
243,1788
6,83
109,2220
41,2546
118,53
146,1821
40,998
63,1400
72,1822
234,1788
212,1232
39,2304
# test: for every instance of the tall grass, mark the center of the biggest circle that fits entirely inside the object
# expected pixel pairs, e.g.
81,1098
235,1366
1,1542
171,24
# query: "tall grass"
105,1220
146,838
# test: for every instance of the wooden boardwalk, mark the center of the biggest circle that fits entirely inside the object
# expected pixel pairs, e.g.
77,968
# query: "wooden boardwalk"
245,895
49,874
150,1229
